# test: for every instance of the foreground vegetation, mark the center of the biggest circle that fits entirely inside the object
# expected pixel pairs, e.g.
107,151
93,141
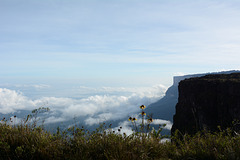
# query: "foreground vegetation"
28,142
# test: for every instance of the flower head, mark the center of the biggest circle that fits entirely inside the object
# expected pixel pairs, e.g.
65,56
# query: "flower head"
150,120
130,118
142,106
134,119
143,113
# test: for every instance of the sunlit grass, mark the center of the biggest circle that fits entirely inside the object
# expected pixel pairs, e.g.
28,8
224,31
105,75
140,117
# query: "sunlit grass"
28,141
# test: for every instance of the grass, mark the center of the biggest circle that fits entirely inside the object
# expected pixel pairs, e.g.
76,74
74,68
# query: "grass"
28,142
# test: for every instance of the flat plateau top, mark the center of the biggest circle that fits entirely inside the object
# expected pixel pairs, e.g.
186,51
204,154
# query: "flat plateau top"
235,77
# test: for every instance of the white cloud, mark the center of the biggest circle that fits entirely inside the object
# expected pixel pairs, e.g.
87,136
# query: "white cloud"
154,91
11,101
128,128
35,86
161,122
99,119
53,119
96,108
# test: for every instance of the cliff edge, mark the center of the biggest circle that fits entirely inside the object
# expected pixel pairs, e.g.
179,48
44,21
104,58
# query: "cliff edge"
165,107
207,102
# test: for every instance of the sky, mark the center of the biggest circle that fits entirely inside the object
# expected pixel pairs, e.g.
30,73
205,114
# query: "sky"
81,48
117,42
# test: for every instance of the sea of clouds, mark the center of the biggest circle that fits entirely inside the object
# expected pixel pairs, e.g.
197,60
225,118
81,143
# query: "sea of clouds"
107,104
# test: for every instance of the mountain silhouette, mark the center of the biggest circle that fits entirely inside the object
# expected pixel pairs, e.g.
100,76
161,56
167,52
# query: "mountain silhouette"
165,107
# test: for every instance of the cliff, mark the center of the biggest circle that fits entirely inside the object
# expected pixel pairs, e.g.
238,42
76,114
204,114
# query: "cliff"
207,102
165,107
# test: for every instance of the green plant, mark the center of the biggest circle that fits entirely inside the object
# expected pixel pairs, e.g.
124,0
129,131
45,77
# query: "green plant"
145,126
33,142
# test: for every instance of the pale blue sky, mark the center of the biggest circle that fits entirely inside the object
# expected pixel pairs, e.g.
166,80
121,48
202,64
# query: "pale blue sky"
117,42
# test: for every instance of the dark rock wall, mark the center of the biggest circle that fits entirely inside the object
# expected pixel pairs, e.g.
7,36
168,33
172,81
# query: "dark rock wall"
165,107
207,102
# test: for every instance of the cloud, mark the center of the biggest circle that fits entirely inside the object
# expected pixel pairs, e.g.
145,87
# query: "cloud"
127,127
99,119
35,86
11,101
54,119
154,91
161,122
95,109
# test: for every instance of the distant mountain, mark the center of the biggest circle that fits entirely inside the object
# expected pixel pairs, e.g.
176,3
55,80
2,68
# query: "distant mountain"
165,107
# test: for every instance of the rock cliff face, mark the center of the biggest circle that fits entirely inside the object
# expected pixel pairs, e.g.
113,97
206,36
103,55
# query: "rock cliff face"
207,102
165,107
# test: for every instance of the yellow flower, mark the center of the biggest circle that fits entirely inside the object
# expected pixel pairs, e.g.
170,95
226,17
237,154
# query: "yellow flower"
143,113
150,120
130,118
142,106
134,119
